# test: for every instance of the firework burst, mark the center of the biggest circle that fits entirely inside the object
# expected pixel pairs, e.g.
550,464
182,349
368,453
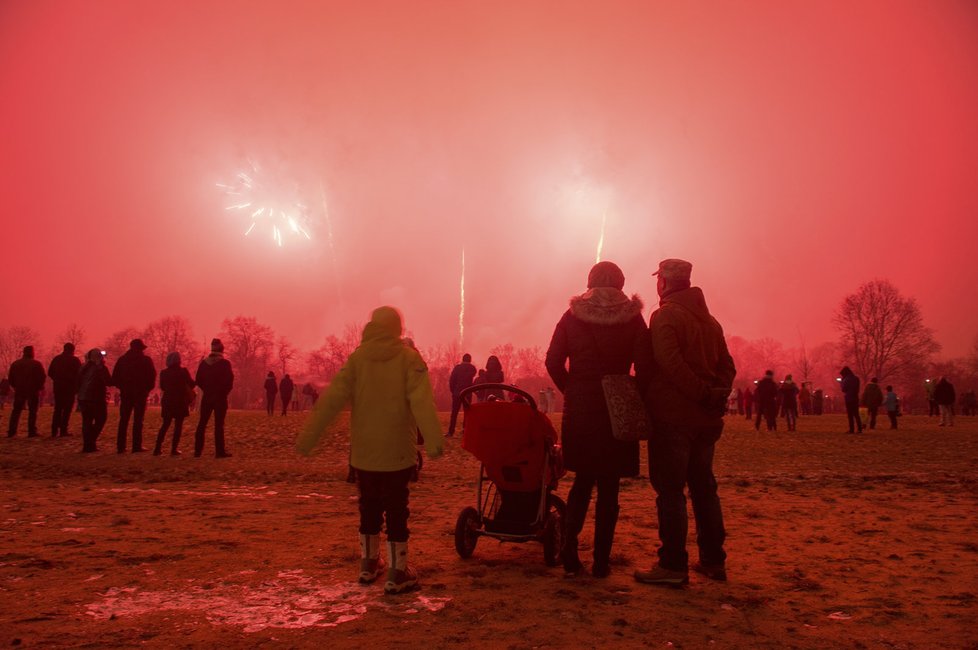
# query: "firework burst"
267,203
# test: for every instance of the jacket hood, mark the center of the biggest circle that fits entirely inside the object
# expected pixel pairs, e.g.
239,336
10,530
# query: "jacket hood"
605,306
213,358
381,338
692,299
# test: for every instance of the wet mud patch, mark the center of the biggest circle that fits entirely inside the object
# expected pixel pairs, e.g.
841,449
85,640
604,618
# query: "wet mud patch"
292,600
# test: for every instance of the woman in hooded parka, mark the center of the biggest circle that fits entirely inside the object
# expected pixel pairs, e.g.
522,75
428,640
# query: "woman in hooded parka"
602,333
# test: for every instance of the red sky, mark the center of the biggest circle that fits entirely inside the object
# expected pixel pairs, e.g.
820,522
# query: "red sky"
790,150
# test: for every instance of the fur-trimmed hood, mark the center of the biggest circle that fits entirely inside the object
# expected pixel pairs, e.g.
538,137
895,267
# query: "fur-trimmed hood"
605,306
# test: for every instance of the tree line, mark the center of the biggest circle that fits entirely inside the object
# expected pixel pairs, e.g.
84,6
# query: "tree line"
881,334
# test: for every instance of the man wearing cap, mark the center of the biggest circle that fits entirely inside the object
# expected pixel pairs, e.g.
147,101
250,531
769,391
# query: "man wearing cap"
63,372
134,375
215,380
27,379
689,380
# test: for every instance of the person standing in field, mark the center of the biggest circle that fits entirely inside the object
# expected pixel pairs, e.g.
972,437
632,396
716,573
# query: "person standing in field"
766,396
872,400
892,405
689,380
460,379
603,333
850,390
494,375
271,390
135,376
285,389
387,384
215,380
63,371
789,402
945,397
177,387
27,380
93,381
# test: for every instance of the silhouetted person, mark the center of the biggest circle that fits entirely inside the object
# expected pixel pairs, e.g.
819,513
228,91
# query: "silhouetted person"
93,381
850,390
63,371
749,399
177,387
945,397
135,376
818,402
285,389
766,396
805,399
688,386
4,392
27,379
480,378
931,402
892,405
603,333
271,389
494,375
969,403
789,402
460,379
872,400
215,380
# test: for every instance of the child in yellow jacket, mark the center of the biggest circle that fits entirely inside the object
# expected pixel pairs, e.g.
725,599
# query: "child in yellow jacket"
387,385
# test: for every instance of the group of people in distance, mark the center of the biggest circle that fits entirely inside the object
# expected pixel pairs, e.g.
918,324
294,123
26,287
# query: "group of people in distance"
681,364
134,374
465,375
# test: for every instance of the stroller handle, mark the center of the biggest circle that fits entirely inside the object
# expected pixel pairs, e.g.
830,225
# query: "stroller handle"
466,392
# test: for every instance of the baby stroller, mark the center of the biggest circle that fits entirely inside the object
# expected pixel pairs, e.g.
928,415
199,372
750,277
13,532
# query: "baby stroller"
521,464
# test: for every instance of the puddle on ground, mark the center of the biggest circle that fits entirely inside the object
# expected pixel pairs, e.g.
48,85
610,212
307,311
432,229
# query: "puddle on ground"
292,600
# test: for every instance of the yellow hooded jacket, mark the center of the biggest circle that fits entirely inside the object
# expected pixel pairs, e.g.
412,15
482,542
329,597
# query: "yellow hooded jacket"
387,385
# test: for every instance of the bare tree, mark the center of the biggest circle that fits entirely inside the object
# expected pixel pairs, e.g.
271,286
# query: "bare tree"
74,334
171,334
248,345
325,361
882,333
118,344
13,340
286,352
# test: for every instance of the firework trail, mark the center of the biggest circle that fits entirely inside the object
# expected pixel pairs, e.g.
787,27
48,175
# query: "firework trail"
604,217
329,238
461,309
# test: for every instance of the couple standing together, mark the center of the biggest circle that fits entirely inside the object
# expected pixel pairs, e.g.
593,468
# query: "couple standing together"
685,373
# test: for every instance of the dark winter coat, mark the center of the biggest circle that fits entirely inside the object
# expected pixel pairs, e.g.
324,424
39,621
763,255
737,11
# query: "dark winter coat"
872,396
789,396
602,333
134,374
286,388
176,384
494,375
26,376
215,378
944,393
692,372
63,371
461,377
766,393
271,387
850,388
93,380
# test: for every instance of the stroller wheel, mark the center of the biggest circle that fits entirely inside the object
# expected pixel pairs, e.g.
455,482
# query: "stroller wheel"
553,531
467,532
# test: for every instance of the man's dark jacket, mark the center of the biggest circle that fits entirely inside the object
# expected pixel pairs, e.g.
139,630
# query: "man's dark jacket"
63,372
215,378
692,371
134,374
26,376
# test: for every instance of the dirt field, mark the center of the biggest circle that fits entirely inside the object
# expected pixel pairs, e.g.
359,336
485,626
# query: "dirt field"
835,541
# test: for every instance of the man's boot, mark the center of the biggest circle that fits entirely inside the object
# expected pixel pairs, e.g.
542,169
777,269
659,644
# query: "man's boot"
371,564
400,577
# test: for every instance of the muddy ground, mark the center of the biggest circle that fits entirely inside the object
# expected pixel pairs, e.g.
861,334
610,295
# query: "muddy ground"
835,541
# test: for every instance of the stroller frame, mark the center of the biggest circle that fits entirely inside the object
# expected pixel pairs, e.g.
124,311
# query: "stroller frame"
547,525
